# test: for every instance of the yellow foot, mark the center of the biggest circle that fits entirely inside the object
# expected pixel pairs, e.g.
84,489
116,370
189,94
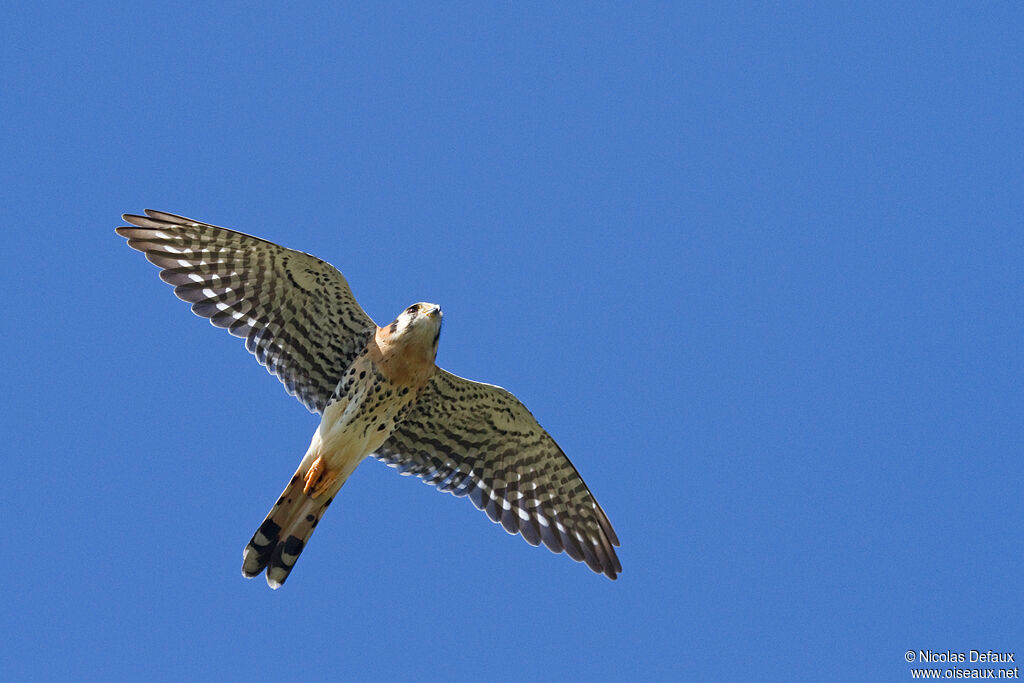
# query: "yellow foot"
319,478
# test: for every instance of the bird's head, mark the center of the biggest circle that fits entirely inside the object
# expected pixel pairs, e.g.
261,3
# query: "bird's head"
419,324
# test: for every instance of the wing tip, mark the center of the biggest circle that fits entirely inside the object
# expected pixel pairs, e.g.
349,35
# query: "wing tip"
138,220
151,218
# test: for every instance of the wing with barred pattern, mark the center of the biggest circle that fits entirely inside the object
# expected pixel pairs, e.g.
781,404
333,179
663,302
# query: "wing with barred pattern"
479,440
295,312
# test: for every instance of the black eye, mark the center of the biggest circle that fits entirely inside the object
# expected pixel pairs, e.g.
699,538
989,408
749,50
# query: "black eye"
413,308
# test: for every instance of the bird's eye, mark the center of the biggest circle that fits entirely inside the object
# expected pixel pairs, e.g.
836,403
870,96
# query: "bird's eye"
413,308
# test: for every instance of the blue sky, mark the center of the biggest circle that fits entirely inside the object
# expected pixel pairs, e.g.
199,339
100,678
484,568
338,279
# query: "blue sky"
756,268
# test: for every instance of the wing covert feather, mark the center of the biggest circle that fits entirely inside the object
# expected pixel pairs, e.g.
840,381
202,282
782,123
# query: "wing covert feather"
295,312
478,440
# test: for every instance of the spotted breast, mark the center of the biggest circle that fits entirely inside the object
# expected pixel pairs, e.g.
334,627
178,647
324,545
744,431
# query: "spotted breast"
369,402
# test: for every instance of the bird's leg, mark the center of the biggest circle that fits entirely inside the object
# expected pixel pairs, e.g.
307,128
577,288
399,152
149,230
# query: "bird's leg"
318,478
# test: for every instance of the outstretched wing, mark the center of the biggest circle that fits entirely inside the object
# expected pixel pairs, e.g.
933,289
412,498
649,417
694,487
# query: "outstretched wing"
295,312
476,439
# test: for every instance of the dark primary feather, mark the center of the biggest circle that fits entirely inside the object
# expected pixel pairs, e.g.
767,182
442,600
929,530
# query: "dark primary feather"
476,439
295,312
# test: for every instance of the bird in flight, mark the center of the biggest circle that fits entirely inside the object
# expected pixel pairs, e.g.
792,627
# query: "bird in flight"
378,393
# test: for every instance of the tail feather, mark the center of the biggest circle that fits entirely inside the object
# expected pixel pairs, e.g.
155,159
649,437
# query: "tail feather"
277,543
257,553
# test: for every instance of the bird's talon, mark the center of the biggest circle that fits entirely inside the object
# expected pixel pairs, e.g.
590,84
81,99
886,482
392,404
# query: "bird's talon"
318,478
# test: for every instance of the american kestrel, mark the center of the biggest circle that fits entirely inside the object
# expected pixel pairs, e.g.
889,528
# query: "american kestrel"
378,393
